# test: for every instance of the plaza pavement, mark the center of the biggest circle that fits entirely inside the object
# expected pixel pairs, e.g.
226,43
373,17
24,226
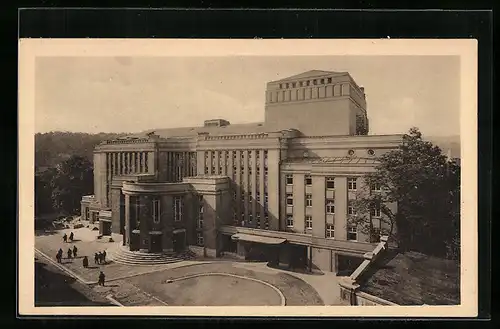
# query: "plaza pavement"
125,281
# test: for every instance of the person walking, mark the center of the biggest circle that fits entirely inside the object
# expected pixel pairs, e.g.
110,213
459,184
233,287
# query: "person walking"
58,257
65,237
104,256
75,250
96,258
71,237
102,277
69,253
85,262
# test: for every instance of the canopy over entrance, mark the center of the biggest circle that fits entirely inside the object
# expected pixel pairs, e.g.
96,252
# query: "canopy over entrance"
257,239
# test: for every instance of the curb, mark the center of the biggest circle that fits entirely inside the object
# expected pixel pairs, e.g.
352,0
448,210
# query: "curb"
63,268
114,301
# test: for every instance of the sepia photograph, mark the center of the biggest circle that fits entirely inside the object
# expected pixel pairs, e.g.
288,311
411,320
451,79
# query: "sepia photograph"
273,176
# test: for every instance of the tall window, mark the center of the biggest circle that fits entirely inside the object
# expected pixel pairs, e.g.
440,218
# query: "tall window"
330,231
199,239
330,207
308,180
289,199
375,211
200,213
330,183
289,221
156,210
309,222
289,179
352,184
352,233
309,200
177,208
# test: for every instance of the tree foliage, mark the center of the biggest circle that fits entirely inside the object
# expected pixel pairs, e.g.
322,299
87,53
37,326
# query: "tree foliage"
425,185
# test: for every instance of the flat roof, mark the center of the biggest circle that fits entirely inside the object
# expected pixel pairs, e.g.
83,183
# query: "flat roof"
334,160
413,278
256,238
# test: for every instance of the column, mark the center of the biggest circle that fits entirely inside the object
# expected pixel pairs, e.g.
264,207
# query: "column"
210,162
217,161
128,210
261,189
246,205
274,189
319,206
341,208
253,179
239,188
299,207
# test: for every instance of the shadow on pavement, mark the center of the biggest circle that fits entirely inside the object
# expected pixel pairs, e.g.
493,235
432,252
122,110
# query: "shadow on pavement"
54,289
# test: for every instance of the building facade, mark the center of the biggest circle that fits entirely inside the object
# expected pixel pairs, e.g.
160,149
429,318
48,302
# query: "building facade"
282,187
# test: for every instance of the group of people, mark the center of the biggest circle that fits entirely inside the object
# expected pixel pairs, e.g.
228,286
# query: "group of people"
71,237
100,257
72,253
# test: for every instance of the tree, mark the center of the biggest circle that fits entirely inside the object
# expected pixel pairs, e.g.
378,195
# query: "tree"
43,192
425,185
72,180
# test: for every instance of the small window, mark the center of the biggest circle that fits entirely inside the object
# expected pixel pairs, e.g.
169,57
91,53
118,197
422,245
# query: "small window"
330,231
329,80
308,180
376,187
309,222
352,233
199,239
375,211
352,184
315,82
289,221
308,83
177,208
330,207
266,199
289,199
350,152
371,152
289,179
309,201
293,84
351,210
281,86
300,83
258,196
330,183
322,81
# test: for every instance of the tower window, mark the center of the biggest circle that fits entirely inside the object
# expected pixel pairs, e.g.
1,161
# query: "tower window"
308,180
289,221
330,207
309,200
330,183
330,231
289,179
309,222
352,184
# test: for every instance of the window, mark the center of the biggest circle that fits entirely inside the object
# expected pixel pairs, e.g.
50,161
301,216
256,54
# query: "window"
289,199
266,199
308,83
265,154
156,210
315,82
375,211
177,208
87,213
213,171
330,183
352,233
289,221
330,207
206,170
376,187
266,172
351,184
258,196
329,80
250,218
220,170
308,180
266,221
199,238
257,218
322,81
309,222
289,179
309,201
350,210
293,84
281,86
330,231
287,85
300,83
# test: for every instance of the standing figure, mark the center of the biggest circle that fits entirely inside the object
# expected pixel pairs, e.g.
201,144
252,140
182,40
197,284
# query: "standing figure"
58,257
104,256
71,236
75,250
96,258
69,253
85,262
100,257
65,237
101,279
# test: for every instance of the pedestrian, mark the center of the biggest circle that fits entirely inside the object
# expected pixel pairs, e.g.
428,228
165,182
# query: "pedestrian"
60,252
71,237
104,256
65,237
69,253
75,250
85,262
101,279
96,258
58,257
100,257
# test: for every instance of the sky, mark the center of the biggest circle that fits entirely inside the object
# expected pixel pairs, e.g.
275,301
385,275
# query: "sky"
133,94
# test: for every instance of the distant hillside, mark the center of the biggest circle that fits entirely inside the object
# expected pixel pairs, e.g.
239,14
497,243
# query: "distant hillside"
446,143
55,147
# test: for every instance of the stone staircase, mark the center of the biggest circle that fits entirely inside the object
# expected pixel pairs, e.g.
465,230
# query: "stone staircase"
124,256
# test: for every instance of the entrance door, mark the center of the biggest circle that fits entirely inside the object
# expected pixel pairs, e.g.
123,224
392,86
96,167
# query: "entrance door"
156,243
179,241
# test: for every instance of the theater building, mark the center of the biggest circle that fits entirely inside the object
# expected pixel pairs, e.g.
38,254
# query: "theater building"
280,189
